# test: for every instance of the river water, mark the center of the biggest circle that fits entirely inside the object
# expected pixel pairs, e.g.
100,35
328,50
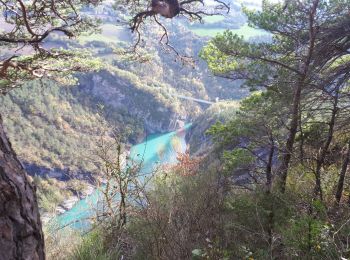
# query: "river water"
155,150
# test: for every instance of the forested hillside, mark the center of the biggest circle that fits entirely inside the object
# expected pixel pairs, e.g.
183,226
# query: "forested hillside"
270,179
55,129
175,129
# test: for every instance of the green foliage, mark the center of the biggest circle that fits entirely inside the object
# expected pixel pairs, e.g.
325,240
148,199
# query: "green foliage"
260,141
231,210
236,159
239,224
198,138
93,247
60,244
50,193
310,233
43,125
179,219
253,129
55,130
28,28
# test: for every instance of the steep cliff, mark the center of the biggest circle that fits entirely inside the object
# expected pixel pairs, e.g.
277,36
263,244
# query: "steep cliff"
119,90
55,129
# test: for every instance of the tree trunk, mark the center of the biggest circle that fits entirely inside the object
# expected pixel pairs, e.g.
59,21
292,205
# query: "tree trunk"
323,152
344,167
293,128
21,235
269,167
287,153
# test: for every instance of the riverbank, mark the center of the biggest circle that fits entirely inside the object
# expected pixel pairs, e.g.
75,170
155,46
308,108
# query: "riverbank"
156,150
67,204
83,189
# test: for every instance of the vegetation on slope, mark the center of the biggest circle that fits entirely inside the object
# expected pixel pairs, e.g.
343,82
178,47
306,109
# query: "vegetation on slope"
280,189
198,139
54,129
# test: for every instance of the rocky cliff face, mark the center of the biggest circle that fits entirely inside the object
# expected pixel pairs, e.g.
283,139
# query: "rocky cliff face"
122,92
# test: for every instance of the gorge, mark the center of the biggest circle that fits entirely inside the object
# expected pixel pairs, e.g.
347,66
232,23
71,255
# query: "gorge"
155,151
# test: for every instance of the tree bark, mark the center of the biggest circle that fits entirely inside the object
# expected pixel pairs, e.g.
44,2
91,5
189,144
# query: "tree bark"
21,234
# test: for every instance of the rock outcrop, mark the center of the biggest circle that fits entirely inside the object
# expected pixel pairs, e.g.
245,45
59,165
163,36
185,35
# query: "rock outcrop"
123,92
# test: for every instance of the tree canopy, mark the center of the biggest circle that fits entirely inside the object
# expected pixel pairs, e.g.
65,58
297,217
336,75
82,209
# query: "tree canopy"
306,58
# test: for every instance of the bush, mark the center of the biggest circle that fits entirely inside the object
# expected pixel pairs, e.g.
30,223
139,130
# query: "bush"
93,247
182,214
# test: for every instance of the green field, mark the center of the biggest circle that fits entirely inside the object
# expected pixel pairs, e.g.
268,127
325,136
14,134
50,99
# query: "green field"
114,34
244,31
109,34
213,19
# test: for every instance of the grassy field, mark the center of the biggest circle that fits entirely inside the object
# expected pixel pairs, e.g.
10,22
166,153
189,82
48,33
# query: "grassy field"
114,34
213,19
244,31
110,34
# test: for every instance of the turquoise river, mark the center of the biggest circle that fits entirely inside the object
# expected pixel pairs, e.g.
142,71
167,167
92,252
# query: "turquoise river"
157,149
